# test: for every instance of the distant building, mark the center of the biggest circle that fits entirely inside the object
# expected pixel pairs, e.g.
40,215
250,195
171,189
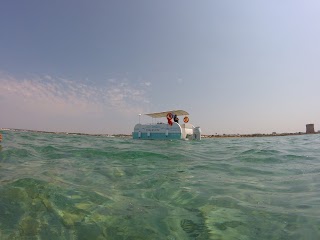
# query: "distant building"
309,128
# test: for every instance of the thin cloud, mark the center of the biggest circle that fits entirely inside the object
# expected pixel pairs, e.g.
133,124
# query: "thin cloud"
123,96
65,95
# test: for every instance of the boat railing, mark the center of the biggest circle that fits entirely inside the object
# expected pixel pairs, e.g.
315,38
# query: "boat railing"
153,123
158,123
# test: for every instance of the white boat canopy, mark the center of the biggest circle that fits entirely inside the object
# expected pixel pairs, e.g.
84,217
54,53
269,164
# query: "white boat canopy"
164,114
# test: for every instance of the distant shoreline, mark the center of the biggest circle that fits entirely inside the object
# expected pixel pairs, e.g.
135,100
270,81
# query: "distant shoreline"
66,133
129,135
256,135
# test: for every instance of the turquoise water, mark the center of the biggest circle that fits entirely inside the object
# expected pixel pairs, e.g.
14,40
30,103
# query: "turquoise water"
88,187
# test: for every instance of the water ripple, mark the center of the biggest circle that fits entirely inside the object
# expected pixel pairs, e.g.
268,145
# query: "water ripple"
90,187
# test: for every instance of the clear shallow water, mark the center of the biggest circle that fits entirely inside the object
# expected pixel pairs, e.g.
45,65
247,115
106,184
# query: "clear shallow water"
87,187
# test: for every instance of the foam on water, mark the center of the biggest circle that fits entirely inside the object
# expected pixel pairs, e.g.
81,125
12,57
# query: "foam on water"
88,187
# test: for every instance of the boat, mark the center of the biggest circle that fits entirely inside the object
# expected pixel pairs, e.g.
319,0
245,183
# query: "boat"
171,129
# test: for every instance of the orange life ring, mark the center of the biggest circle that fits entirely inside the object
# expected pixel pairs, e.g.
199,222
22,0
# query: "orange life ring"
169,116
186,119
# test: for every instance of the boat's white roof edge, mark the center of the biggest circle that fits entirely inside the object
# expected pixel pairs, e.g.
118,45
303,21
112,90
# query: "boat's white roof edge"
164,114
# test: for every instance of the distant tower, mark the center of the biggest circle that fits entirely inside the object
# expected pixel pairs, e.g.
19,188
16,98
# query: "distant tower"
310,128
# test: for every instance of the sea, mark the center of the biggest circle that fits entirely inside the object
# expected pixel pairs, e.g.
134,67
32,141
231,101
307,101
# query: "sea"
63,186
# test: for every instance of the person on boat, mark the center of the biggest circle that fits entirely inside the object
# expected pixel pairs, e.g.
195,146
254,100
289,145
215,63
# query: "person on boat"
176,119
0,137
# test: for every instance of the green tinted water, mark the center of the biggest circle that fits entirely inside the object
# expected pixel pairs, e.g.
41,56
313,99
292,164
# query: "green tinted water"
87,187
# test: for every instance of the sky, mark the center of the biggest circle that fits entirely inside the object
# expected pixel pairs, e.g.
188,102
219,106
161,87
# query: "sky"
237,67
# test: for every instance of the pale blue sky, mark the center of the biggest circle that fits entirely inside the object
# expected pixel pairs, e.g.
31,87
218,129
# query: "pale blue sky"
93,66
